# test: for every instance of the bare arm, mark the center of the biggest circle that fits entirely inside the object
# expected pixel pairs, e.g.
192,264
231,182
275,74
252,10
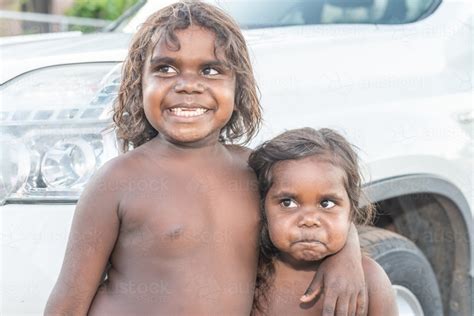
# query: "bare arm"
340,278
381,296
92,237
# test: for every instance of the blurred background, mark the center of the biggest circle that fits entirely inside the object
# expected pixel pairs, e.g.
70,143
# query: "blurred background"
21,17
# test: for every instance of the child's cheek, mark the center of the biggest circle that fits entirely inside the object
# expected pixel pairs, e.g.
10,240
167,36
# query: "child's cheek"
338,235
279,234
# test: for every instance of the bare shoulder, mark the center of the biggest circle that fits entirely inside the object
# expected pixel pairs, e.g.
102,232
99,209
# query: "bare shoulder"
123,165
111,177
380,293
240,152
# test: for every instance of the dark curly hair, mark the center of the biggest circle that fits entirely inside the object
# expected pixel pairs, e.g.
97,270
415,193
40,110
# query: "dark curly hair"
131,124
293,145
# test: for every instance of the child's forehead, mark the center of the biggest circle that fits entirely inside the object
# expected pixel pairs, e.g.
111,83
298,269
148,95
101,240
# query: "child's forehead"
316,168
315,161
190,38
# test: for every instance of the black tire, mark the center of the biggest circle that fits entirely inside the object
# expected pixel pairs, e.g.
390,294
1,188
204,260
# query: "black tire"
404,264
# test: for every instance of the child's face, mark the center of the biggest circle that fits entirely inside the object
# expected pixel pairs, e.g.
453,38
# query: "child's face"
188,94
307,209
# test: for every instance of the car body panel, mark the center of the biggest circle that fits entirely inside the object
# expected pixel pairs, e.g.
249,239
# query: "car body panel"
22,58
20,39
32,235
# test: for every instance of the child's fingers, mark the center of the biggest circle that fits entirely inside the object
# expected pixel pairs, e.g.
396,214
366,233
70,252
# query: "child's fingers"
362,303
352,306
342,305
329,304
314,289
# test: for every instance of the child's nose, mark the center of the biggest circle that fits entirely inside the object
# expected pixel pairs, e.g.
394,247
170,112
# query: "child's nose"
309,218
189,83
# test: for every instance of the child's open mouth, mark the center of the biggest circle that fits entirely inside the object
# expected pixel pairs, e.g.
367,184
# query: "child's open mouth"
188,112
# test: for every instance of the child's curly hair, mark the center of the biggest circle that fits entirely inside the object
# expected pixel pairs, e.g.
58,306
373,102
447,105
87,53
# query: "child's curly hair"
132,127
298,144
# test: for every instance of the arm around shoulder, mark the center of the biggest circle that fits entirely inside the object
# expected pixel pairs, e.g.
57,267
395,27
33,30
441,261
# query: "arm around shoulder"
93,233
380,292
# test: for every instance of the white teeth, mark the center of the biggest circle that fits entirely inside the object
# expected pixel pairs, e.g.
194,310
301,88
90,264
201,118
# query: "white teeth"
186,112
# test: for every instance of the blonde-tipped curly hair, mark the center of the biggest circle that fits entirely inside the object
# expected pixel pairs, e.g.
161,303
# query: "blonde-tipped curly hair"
131,124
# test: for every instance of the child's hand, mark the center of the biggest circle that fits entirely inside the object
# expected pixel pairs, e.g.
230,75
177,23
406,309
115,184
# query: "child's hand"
340,281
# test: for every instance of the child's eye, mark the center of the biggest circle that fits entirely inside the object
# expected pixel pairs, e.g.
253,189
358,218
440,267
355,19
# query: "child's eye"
327,204
166,69
288,203
210,71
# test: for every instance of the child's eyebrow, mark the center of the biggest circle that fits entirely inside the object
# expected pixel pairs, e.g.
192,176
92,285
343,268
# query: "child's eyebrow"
282,194
217,63
325,195
168,60
333,196
162,60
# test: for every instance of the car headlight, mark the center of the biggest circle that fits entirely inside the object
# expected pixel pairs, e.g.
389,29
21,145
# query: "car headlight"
54,131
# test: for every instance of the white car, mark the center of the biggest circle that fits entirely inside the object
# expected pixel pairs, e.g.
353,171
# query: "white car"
395,76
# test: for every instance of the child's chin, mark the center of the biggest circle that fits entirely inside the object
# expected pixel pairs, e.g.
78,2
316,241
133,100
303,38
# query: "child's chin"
310,255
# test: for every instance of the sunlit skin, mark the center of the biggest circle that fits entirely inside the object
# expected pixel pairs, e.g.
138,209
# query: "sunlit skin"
308,213
191,78
199,215
177,218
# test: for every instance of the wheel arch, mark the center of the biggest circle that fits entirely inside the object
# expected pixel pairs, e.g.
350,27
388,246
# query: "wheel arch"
435,215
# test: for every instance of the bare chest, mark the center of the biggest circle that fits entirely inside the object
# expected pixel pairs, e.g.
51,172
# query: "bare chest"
180,213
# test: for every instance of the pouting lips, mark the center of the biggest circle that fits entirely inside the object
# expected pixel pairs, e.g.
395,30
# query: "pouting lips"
308,241
188,112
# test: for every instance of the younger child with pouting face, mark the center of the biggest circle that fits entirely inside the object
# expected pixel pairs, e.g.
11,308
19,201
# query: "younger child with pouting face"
176,219
310,188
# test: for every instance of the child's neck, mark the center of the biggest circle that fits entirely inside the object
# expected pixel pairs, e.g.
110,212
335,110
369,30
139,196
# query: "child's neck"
204,149
293,275
284,263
